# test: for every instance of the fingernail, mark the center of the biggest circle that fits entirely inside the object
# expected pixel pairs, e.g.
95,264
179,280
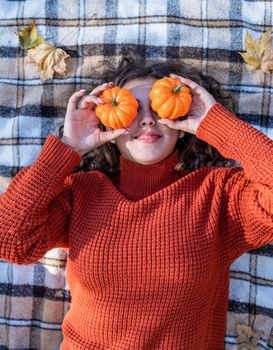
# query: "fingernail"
82,90
162,121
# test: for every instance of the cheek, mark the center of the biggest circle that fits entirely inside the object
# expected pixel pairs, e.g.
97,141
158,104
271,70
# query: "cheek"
171,135
121,142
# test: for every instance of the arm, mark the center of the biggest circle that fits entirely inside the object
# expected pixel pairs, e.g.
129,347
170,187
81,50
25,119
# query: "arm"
247,205
246,214
36,207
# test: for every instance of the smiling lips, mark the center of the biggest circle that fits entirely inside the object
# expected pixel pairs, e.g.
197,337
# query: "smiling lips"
148,137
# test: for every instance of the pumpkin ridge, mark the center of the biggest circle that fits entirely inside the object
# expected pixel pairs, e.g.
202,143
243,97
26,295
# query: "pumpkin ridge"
121,120
175,112
168,105
124,111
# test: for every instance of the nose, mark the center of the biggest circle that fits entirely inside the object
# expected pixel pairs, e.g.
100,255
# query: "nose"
147,119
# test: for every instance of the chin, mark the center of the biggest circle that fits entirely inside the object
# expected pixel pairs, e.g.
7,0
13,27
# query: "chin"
147,159
146,153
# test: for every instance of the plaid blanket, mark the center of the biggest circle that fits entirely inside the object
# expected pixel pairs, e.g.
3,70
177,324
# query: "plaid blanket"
204,33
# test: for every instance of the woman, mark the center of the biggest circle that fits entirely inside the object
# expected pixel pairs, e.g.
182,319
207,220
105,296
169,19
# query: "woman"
150,241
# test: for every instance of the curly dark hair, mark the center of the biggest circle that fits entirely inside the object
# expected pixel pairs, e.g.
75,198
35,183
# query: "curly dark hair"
193,152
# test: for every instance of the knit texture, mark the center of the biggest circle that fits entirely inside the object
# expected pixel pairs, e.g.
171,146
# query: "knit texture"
147,273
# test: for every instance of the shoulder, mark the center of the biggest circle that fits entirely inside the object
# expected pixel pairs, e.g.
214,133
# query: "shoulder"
215,175
88,179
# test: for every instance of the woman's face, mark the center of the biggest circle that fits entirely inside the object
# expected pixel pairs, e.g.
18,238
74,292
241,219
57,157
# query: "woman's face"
148,142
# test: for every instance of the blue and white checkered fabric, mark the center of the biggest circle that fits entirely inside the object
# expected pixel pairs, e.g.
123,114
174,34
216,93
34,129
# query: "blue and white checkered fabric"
204,33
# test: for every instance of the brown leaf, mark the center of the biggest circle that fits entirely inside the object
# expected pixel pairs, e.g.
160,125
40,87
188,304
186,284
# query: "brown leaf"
49,60
28,37
265,42
247,338
258,52
267,60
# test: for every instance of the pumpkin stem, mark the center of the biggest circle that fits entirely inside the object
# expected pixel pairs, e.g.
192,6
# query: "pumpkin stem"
177,88
114,102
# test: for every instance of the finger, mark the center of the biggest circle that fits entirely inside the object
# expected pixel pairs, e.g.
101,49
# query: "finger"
183,125
173,124
99,89
112,135
74,99
89,101
190,83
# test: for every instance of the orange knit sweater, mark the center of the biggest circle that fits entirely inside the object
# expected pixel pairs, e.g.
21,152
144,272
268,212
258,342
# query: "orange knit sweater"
149,254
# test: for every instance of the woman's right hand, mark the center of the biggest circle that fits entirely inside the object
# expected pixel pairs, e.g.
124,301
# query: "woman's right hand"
81,131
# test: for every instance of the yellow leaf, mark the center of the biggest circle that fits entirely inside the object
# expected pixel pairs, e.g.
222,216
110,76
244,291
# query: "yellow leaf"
28,37
49,60
265,41
267,60
258,52
250,44
252,61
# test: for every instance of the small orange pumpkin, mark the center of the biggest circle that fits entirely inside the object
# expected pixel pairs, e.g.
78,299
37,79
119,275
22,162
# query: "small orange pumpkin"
170,98
119,108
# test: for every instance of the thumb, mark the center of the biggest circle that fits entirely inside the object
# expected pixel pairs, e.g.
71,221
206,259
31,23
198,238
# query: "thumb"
112,134
187,125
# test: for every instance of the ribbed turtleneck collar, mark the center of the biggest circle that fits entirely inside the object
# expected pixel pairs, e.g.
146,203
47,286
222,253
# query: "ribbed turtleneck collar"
137,181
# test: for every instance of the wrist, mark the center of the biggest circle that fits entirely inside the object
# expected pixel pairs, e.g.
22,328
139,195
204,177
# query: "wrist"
213,103
65,140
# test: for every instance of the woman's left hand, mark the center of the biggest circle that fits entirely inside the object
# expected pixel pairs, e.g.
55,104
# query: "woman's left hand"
202,101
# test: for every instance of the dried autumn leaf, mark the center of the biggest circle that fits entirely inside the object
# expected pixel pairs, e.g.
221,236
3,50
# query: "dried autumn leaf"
247,338
252,61
49,60
258,51
267,60
28,37
265,42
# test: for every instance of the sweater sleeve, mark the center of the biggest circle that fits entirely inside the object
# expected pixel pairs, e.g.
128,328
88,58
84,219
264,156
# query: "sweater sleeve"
246,215
35,208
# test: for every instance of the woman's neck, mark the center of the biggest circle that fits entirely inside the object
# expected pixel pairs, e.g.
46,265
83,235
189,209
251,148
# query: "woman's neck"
137,181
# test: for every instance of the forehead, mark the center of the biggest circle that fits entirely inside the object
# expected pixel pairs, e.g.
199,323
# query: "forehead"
140,87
